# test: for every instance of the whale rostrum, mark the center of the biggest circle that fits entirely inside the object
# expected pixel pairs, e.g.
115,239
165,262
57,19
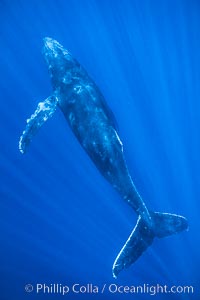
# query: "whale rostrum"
94,125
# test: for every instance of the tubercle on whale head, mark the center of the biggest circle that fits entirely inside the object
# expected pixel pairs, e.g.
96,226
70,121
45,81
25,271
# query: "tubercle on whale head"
54,47
54,52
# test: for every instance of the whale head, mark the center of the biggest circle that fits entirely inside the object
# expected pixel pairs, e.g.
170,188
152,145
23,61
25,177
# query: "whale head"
53,51
61,64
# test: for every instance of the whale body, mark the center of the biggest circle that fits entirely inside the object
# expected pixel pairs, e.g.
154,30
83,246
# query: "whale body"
94,125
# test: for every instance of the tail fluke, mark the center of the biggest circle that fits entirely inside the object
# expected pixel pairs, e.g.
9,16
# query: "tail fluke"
43,112
167,224
141,238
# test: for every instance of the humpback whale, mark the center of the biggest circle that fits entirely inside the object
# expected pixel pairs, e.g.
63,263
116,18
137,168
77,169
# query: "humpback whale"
93,123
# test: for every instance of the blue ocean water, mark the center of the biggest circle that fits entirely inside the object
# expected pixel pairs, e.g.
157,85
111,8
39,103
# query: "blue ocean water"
61,222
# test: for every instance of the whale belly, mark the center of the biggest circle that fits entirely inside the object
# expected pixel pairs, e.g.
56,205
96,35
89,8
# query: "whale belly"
86,114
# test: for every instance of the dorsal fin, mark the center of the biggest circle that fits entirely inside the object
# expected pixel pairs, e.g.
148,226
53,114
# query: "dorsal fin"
110,114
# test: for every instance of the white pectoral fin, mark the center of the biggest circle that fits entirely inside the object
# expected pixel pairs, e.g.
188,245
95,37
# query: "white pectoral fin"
43,112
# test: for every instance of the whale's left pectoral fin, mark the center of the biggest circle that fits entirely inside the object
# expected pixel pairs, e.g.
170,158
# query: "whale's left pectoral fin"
43,112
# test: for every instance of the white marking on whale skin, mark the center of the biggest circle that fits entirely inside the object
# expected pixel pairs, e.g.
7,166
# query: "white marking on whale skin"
118,139
42,106
106,139
78,89
90,89
67,78
71,118
44,111
53,45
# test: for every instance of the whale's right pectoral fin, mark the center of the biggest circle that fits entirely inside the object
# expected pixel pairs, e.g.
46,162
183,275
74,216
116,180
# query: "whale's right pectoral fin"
43,112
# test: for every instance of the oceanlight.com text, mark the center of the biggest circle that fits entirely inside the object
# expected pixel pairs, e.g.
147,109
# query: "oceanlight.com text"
113,288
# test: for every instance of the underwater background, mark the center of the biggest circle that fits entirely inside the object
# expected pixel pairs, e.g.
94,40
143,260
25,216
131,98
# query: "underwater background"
60,220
